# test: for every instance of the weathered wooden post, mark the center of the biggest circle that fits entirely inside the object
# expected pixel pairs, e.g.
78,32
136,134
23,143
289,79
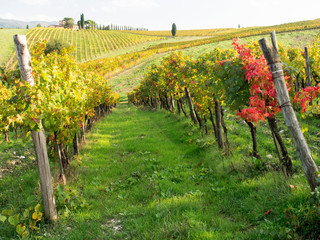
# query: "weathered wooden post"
39,138
308,80
273,59
307,67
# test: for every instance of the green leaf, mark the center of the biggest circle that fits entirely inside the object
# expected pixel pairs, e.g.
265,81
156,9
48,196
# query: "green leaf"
7,212
20,229
2,218
14,220
37,208
26,214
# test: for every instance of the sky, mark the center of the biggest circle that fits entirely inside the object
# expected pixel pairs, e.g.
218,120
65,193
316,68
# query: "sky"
160,14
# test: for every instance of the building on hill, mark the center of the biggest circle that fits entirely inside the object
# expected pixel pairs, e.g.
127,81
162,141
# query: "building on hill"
55,26
62,24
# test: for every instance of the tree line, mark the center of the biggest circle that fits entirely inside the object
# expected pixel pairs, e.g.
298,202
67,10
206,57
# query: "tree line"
90,24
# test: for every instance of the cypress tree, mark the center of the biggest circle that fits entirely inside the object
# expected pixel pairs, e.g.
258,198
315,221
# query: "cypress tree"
174,29
82,21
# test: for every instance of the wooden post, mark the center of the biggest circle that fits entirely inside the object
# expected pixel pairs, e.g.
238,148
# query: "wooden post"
217,109
308,80
274,40
192,113
307,67
39,139
273,59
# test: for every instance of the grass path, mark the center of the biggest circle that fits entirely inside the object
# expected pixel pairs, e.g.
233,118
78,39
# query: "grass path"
143,181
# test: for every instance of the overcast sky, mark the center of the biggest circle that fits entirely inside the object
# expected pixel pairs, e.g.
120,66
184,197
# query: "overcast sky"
160,14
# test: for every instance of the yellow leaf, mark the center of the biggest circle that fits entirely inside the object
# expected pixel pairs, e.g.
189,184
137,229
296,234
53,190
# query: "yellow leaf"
35,216
304,129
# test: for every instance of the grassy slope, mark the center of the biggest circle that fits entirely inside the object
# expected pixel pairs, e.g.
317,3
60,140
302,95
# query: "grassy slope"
6,43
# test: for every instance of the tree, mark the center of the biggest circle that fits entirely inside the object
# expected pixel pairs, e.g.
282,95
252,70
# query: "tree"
55,45
27,26
82,21
174,29
89,24
38,25
68,22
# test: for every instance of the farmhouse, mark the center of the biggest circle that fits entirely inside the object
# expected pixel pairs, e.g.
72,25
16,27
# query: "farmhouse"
55,26
61,25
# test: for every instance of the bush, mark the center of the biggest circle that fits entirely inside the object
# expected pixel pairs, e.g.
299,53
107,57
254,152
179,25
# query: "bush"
55,45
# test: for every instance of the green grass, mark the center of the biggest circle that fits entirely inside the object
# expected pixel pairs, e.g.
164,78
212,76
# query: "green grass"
127,81
6,43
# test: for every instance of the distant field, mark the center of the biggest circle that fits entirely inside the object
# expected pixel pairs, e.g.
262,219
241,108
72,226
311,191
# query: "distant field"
299,39
6,43
287,27
89,44
183,33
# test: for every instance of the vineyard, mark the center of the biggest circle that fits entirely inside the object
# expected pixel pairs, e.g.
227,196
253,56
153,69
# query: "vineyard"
183,33
240,81
237,79
240,32
88,44
200,149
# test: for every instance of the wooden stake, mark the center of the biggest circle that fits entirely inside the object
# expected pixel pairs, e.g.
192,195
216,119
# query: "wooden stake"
308,80
307,67
274,40
39,139
273,59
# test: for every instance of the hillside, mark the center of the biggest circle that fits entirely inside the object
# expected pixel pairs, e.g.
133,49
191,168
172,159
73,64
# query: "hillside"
9,23
286,27
88,44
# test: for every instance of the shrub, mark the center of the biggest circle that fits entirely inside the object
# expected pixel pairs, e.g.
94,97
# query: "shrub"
55,45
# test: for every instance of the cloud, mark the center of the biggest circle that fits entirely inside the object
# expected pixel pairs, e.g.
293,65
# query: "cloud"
107,9
36,17
36,2
135,3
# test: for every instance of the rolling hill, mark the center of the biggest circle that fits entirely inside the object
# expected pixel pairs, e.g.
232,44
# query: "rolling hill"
88,44
9,23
